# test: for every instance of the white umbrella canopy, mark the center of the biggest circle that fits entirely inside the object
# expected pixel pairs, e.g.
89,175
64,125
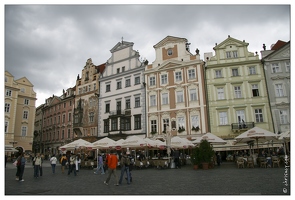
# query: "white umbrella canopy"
10,149
150,143
284,136
211,138
134,142
80,143
256,134
180,143
104,143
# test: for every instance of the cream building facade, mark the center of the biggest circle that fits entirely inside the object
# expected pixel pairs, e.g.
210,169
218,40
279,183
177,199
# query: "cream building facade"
19,112
175,91
236,90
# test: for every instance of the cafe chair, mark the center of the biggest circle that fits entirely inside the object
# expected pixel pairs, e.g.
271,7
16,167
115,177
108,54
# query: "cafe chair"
275,160
263,162
240,162
250,162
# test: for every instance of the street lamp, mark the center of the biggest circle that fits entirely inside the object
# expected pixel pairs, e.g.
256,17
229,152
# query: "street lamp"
168,140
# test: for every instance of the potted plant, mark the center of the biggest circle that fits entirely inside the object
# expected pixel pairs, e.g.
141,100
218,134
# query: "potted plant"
195,157
181,129
206,153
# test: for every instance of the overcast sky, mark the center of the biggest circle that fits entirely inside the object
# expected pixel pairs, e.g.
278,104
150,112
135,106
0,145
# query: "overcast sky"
50,44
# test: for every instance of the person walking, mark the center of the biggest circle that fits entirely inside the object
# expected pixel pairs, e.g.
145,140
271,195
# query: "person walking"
72,166
100,165
112,166
53,160
18,162
63,162
125,163
37,165
22,167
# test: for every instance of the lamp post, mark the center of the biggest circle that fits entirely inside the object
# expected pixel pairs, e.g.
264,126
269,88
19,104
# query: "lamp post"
168,140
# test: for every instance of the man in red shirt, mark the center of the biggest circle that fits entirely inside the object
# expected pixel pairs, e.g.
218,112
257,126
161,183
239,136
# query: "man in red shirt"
112,166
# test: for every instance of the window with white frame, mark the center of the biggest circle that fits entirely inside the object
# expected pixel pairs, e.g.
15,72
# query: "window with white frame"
63,118
127,104
258,115
154,126
164,98
287,64
255,91
218,74
238,92
119,85
6,126
137,102
114,124
220,93
91,117
181,123
178,76
127,82
275,68
235,72
137,122
25,114
107,107
153,100
80,90
8,92
165,124
193,94
152,81
108,87
191,74
228,54
223,118
279,90
164,79
179,96
283,117
252,70
137,80
195,120
235,54
24,131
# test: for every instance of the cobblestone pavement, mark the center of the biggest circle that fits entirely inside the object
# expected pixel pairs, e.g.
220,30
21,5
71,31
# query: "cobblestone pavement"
224,180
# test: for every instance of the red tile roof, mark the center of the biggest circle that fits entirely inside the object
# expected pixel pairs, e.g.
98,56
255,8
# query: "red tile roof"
278,45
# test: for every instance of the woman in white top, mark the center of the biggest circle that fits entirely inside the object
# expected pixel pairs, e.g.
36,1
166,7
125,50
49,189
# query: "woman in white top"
53,160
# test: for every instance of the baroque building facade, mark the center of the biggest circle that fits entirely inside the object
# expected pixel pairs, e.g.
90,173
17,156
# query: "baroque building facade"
236,90
276,63
122,108
20,100
175,91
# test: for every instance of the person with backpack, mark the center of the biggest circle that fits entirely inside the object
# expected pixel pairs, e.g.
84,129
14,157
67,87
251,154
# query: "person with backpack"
125,163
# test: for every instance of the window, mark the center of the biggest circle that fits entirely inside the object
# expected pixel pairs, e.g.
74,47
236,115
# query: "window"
153,100
123,69
22,90
255,91
24,131
179,96
279,90
108,88
152,81
191,74
275,68
6,127
181,124
25,114
137,80
218,74
91,117
127,82
106,126
164,98
252,70
137,122
80,90
258,115
193,95
118,70
127,104
119,85
7,107
65,105
114,124
8,93
195,120
283,117
235,54
165,124
107,107
70,117
235,72
94,86
287,64
154,126
137,102
238,92
178,76
228,54
89,87
223,118
58,119
125,124
220,93
76,119
164,79
69,133
169,52
63,118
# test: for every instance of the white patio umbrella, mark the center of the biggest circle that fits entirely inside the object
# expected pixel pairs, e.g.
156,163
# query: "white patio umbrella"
285,137
10,149
256,134
80,143
134,142
211,138
180,143
104,143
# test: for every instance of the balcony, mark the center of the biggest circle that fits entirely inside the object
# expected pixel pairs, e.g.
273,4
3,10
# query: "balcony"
120,112
240,127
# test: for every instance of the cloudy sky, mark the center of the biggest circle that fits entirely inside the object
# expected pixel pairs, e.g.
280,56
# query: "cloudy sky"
50,44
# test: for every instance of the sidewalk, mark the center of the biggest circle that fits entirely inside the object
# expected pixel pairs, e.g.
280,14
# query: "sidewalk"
224,180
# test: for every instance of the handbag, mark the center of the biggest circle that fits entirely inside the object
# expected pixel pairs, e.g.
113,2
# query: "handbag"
15,163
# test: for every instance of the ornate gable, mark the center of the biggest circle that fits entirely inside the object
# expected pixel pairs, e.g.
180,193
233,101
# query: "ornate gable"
169,39
121,45
230,42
